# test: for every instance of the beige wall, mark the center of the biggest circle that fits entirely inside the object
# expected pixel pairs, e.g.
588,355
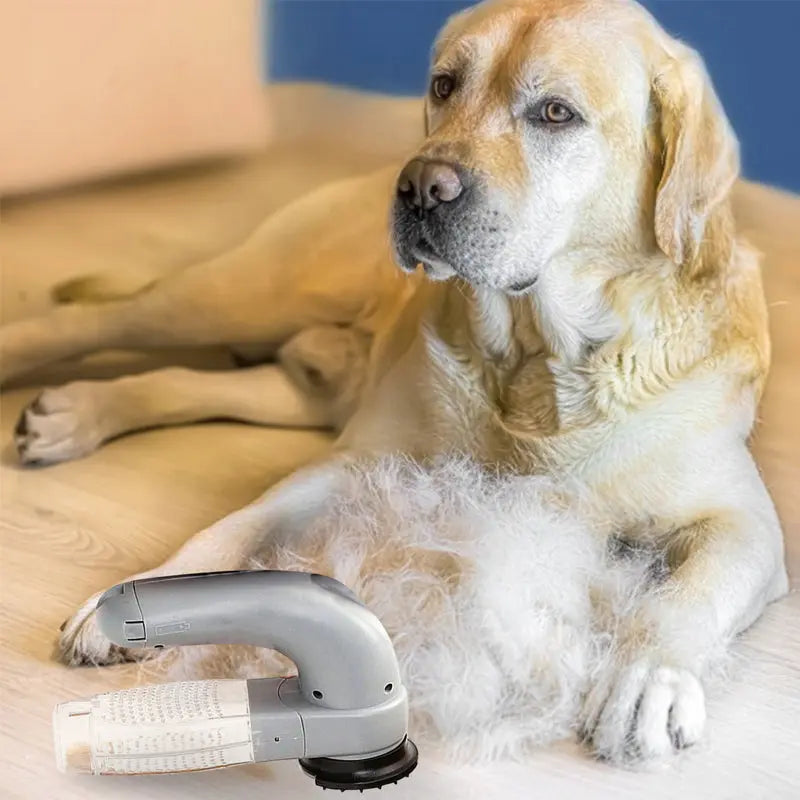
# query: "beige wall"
92,87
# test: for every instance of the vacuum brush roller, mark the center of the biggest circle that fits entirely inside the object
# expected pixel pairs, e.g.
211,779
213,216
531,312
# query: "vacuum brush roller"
344,716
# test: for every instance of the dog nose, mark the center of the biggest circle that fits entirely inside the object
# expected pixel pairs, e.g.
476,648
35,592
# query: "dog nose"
425,184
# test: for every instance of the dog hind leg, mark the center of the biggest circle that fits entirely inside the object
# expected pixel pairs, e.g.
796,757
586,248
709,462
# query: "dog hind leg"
306,265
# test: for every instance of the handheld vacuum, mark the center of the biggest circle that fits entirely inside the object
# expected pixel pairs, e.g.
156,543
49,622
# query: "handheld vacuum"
344,716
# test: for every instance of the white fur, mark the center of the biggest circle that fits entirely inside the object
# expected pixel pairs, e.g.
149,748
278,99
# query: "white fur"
498,663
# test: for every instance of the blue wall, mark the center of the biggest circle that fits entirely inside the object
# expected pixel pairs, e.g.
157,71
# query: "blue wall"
751,48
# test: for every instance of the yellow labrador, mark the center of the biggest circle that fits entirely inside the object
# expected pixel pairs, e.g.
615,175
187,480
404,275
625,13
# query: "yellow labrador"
573,302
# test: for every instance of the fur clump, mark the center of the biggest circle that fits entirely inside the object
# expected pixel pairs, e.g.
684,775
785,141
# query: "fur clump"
488,587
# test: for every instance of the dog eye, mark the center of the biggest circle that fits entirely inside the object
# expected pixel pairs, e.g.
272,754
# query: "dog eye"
442,86
556,113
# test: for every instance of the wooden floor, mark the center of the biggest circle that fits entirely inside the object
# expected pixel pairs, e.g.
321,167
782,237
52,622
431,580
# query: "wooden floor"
68,530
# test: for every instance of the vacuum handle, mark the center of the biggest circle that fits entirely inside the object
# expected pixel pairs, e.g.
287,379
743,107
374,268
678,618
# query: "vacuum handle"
344,657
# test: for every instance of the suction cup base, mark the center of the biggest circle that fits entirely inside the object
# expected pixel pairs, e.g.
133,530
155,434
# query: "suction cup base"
367,773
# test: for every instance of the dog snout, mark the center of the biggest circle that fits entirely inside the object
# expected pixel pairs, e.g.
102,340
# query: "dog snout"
423,185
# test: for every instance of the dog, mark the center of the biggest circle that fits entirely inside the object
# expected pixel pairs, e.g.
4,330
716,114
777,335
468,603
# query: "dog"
573,307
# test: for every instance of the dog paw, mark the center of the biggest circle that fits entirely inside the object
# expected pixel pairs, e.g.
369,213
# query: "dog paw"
82,642
60,424
644,714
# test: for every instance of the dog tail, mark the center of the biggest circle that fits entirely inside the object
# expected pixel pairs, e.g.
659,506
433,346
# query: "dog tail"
103,287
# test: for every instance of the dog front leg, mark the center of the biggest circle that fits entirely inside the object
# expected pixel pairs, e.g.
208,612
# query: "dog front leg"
285,511
726,566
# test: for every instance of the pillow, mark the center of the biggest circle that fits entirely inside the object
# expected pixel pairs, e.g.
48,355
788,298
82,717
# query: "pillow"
91,87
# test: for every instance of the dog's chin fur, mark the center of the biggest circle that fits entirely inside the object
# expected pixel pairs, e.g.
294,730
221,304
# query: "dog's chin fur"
488,587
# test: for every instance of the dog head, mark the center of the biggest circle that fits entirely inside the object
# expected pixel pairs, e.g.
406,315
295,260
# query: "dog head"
556,126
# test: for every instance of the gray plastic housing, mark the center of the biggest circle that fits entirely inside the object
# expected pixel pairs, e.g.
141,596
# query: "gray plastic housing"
285,725
348,699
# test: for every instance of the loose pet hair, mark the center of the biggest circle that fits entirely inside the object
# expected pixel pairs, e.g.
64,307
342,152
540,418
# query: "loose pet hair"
541,481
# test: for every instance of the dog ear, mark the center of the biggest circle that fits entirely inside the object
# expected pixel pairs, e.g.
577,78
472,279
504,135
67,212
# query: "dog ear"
700,163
